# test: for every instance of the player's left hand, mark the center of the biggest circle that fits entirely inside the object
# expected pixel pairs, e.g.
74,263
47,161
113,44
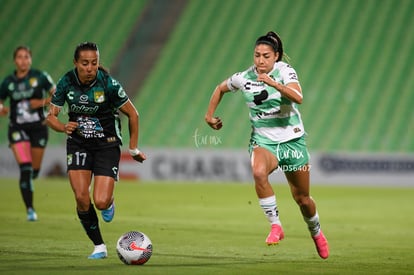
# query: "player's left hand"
140,157
215,123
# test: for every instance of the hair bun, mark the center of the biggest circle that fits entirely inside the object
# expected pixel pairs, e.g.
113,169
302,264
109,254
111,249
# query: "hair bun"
272,34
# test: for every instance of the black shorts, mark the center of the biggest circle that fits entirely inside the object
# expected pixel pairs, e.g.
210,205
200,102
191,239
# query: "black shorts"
37,135
102,162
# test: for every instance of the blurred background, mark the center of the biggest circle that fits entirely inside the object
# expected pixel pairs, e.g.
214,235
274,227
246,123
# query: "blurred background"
354,61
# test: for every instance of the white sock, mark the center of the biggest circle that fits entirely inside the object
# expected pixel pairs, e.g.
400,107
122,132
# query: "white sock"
99,248
313,224
270,210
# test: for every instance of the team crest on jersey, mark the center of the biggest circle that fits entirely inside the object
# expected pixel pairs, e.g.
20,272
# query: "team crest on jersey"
16,136
69,159
33,82
99,96
83,99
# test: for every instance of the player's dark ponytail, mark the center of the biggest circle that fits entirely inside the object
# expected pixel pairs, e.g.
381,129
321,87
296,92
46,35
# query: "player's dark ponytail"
273,40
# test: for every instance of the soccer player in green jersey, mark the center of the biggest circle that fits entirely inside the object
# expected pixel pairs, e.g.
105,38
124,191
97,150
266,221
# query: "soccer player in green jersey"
29,91
94,139
271,90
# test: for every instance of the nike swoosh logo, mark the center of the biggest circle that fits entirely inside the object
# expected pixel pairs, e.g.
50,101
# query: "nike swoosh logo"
134,246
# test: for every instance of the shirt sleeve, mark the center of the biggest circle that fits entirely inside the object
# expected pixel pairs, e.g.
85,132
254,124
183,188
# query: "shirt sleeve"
117,93
288,74
3,90
235,82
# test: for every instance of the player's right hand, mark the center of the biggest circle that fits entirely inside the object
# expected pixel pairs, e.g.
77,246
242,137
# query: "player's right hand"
4,111
215,123
70,127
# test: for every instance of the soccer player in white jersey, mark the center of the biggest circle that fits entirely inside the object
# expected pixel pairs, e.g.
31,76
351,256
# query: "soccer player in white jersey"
271,90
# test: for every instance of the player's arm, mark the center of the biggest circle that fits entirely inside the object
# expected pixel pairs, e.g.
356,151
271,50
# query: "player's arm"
292,90
219,91
53,121
3,94
36,103
133,125
3,109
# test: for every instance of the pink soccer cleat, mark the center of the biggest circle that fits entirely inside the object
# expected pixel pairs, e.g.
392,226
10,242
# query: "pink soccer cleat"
321,245
276,234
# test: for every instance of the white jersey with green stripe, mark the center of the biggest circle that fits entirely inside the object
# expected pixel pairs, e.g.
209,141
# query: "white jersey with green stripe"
274,118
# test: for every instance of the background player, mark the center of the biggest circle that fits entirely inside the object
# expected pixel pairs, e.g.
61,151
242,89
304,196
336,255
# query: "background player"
29,92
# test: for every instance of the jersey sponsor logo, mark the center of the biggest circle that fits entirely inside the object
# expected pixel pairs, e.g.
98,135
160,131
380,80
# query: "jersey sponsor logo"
83,99
266,114
21,87
22,94
111,139
99,96
248,85
90,127
84,109
259,98
293,76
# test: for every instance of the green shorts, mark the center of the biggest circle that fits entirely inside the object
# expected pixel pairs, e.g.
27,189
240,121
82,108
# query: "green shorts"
292,155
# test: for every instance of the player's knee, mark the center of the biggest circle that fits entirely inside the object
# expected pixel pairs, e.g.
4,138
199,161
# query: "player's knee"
260,174
102,204
82,201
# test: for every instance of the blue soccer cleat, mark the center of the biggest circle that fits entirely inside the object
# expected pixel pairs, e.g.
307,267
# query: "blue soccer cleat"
108,214
31,215
99,252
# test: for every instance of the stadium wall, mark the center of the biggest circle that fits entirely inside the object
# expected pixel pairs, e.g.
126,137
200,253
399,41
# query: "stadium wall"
233,165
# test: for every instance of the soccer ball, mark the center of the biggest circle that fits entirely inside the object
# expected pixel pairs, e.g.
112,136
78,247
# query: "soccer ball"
134,248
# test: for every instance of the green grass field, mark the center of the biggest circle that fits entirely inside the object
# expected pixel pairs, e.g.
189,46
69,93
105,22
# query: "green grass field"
209,228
